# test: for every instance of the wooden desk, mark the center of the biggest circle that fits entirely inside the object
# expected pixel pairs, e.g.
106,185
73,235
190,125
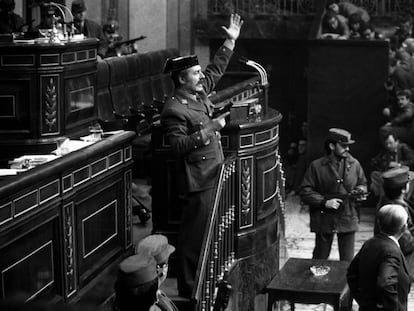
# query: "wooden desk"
296,283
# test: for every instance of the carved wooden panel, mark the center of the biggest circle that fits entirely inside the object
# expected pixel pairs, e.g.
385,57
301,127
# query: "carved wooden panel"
246,171
69,250
50,93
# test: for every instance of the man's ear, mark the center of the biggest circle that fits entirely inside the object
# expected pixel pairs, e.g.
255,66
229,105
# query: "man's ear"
181,79
331,146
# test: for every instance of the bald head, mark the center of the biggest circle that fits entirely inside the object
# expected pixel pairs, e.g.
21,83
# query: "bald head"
392,218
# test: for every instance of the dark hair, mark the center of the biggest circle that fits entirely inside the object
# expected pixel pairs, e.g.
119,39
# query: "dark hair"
326,145
406,93
392,193
143,296
175,75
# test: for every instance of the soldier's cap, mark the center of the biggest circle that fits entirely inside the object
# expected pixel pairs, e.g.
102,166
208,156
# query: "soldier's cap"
137,270
397,177
78,6
156,245
340,136
180,63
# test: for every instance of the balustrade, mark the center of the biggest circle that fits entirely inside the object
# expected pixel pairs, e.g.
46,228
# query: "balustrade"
218,246
272,8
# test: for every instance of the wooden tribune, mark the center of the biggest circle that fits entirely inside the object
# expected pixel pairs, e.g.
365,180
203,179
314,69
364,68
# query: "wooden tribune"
63,222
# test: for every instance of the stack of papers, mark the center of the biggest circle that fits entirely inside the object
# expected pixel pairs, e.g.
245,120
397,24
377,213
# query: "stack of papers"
30,161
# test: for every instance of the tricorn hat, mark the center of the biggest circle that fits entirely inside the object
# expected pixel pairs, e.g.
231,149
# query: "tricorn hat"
137,270
340,136
180,63
78,6
397,177
157,246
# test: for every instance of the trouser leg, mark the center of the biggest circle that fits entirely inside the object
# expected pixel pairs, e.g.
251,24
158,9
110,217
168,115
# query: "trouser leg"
323,244
346,245
190,239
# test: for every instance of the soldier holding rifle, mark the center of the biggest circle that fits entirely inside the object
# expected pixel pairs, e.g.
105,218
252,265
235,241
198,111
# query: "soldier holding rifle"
331,187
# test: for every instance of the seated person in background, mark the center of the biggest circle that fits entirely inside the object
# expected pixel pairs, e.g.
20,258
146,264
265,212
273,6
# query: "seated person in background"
401,72
394,154
346,9
403,113
88,27
112,37
369,33
397,184
356,26
401,118
10,21
156,245
404,29
137,284
333,27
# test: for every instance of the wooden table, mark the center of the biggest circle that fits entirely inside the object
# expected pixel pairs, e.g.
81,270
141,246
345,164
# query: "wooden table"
296,283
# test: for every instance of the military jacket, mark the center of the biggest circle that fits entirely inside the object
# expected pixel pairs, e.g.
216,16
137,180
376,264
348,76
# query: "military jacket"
322,182
199,154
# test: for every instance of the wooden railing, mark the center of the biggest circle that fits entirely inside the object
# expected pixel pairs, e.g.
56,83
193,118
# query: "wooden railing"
260,7
391,8
273,8
218,246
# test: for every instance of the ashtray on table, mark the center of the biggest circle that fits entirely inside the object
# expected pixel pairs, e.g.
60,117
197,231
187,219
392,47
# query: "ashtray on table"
320,270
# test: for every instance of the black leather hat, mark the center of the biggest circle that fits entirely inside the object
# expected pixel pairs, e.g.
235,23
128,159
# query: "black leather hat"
340,136
180,63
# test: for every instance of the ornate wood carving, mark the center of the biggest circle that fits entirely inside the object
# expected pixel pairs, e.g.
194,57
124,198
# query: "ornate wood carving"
246,213
50,104
69,250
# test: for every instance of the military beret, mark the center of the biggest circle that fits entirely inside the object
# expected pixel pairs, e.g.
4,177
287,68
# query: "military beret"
137,270
156,245
180,63
78,6
340,136
397,177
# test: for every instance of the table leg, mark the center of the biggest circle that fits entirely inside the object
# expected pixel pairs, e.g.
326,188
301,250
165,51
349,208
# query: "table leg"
292,306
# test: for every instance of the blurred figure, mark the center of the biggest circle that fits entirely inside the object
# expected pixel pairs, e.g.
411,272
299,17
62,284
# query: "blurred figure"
378,276
88,27
369,33
404,29
346,9
356,26
333,27
112,36
9,21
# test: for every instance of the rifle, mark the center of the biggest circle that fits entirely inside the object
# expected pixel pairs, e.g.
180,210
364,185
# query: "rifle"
126,42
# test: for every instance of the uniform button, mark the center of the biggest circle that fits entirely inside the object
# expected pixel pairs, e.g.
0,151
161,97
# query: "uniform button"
203,158
334,231
195,147
198,137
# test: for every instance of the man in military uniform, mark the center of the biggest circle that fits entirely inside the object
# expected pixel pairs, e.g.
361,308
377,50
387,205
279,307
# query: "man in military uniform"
194,138
328,187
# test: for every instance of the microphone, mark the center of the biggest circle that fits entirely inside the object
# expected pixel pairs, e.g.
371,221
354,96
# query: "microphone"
259,68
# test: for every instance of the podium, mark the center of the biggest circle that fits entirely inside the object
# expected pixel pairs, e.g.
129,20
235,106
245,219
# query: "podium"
47,91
